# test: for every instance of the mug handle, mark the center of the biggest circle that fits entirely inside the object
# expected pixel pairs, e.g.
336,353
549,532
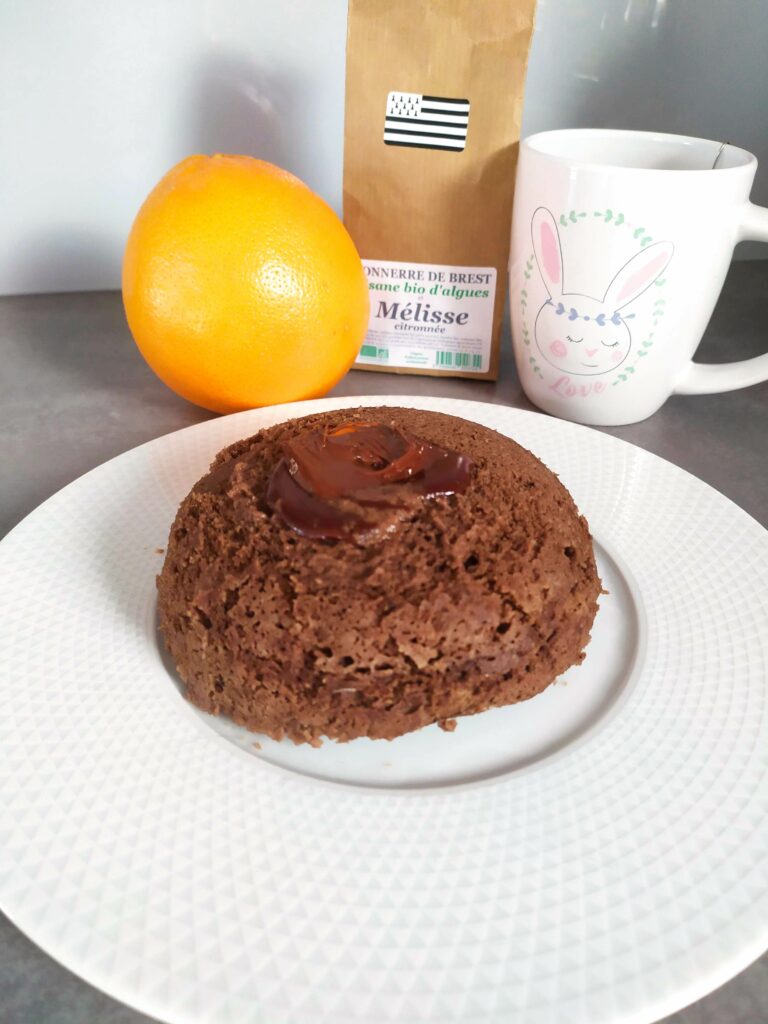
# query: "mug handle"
710,378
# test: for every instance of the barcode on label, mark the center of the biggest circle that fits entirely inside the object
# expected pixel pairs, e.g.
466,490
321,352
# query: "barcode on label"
464,360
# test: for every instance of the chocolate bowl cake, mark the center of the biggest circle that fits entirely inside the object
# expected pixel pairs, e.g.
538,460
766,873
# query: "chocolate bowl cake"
368,572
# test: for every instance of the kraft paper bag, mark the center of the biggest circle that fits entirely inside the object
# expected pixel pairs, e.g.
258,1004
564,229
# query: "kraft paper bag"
434,96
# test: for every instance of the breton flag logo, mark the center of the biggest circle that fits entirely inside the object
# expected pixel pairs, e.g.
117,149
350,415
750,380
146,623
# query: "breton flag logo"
426,122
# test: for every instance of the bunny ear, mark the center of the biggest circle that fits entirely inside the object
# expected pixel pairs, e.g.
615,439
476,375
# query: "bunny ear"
638,274
549,255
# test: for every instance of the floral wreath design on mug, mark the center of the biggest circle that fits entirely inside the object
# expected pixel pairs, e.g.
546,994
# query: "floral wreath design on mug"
582,335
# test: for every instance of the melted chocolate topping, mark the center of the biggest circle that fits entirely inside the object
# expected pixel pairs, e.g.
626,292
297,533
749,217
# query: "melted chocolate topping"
359,480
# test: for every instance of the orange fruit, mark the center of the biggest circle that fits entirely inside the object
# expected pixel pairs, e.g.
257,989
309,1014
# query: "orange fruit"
241,286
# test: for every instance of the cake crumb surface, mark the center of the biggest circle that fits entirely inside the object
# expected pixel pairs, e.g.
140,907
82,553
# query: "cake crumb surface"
476,600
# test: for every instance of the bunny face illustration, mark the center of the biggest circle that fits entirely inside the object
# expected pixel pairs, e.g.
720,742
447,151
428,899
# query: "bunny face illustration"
580,334
580,339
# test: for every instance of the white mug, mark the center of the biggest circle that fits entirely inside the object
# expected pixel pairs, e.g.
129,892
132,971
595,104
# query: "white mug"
621,241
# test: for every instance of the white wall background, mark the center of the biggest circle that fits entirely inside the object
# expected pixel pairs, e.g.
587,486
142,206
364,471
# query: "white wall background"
98,98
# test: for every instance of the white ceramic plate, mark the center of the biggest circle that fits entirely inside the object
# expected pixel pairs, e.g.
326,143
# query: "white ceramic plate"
598,854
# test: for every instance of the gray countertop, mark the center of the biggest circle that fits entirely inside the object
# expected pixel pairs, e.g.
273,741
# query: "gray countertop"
74,392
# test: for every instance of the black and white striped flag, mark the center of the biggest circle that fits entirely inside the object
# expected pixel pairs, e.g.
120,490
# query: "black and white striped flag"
427,122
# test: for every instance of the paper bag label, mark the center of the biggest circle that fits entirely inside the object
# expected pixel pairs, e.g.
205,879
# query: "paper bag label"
426,122
429,316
